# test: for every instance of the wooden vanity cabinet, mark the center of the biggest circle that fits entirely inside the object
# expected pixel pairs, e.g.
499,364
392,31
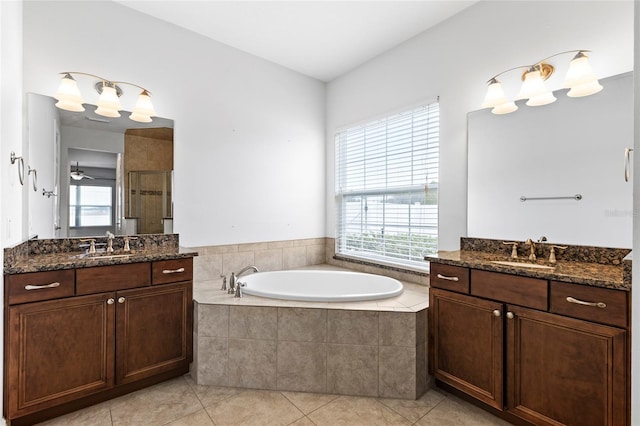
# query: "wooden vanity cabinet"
564,371
58,351
467,343
73,351
153,331
564,367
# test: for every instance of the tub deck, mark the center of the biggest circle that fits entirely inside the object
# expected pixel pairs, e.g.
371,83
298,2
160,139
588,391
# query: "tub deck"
372,348
414,298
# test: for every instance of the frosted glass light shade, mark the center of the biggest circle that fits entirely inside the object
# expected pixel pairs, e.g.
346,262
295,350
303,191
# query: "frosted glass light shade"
108,103
580,72
68,95
143,110
544,99
505,108
70,106
140,118
585,89
532,86
495,95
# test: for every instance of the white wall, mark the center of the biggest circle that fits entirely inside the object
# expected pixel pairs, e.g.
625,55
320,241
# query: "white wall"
13,195
635,298
249,134
455,59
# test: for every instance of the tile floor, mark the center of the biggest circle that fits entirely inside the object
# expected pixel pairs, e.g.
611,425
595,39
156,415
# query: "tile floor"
181,402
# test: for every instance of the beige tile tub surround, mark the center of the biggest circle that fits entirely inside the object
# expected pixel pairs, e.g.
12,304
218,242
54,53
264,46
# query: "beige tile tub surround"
372,348
212,261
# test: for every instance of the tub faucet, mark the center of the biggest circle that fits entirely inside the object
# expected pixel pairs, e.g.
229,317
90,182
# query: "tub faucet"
234,277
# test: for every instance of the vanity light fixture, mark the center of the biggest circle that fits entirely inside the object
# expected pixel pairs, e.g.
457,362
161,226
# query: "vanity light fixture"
70,99
580,79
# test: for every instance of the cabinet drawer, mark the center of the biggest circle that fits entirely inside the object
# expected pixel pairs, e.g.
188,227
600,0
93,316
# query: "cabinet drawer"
99,279
595,304
171,271
449,277
523,291
36,286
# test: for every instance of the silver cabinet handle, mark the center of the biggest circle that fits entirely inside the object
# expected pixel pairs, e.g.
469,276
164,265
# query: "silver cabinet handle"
582,302
121,300
444,277
627,164
40,287
496,313
510,315
172,271
110,301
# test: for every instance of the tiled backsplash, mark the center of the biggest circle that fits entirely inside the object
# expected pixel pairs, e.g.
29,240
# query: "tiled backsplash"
213,261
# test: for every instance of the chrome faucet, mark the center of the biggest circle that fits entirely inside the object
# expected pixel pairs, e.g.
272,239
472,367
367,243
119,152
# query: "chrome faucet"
530,243
234,278
110,238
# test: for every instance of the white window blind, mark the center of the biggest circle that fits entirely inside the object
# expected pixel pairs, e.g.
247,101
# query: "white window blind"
387,187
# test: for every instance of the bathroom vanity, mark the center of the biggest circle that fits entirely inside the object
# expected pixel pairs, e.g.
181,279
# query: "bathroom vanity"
83,329
534,342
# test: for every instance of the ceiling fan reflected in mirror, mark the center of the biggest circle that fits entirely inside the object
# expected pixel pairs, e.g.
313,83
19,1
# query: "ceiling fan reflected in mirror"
78,174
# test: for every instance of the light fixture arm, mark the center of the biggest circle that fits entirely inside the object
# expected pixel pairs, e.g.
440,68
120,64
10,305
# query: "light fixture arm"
579,51
580,80
108,105
105,79
536,64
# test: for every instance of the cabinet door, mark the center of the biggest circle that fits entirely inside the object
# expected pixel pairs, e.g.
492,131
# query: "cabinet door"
565,371
466,334
154,331
59,351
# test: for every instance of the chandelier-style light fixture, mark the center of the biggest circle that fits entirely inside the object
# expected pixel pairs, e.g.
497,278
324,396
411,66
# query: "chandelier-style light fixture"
580,80
70,99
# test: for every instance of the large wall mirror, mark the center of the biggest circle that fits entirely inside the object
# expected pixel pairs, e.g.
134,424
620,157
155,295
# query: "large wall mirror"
548,155
97,174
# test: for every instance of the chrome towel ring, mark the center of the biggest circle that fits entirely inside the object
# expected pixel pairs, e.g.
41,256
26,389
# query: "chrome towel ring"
20,161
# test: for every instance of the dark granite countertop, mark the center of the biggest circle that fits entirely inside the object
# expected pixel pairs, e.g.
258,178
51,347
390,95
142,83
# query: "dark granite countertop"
71,260
587,273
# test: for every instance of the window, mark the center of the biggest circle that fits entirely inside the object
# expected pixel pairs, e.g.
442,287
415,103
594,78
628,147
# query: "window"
90,205
387,188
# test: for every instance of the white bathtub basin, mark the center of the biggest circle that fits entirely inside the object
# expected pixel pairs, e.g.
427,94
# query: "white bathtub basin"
320,286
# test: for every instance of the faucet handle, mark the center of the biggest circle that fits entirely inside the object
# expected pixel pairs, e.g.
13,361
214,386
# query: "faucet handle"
552,255
514,248
92,244
224,282
127,238
238,292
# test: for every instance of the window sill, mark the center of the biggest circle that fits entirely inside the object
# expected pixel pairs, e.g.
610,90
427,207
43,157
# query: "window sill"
423,272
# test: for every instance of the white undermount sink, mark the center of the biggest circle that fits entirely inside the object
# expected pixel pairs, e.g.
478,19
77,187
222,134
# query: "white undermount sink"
521,265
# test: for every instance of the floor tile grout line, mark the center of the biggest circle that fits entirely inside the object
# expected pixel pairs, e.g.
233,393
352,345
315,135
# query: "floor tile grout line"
432,408
315,409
